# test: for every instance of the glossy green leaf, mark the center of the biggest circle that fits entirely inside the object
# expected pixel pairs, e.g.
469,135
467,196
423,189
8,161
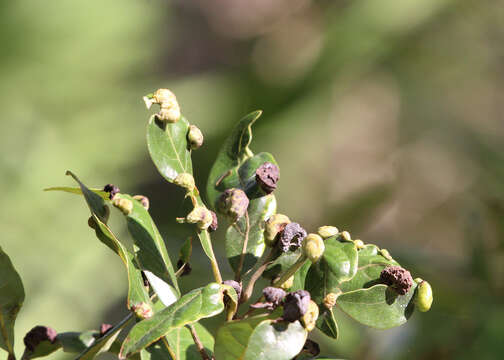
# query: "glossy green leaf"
197,304
300,277
11,299
327,323
259,338
137,293
232,154
259,210
378,306
95,202
103,343
78,191
76,342
371,264
338,264
182,343
168,147
281,264
150,249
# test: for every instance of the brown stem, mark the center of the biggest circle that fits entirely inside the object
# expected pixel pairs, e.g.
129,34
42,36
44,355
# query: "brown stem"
198,343
250,286
244,248
168,347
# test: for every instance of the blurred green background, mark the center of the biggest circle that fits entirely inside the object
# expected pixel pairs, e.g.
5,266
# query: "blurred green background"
385,117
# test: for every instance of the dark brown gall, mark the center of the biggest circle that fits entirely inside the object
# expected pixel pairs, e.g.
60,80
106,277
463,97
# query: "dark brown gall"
296,305
267,176
112,190
397,278
39,334
292,236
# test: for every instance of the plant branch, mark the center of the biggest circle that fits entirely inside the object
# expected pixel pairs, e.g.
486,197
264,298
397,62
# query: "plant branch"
257,274
244,248
291,271
198,343
168,347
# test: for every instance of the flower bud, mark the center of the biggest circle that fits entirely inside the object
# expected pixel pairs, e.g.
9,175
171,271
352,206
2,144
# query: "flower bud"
327,231
201,216
288,283
144,200
330,300
267,176
311,316
296,305
215,223
170,110
125,205
386,254
346,236
397,278
142,310
38,335
359,244
112,190
185,180
274,225
291,236
233,203
273,295
194,137
313,247
423,296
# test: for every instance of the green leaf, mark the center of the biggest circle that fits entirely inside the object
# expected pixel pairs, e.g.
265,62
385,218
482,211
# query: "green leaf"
137,292
371,264
327,323
182,343
300,277
78,191
168,147
338,264
42,349
95,202
259,338
197,304
103,343
76,342
378,306
282,263
11,299
232,154
150,249
186,251
259,210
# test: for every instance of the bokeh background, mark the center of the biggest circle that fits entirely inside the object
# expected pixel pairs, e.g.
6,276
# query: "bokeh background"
385,117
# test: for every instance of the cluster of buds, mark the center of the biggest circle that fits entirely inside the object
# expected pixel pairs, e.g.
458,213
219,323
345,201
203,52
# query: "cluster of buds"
170,110
233,203
397,278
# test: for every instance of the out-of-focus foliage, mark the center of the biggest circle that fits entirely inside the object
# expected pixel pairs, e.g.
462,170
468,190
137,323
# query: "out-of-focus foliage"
384,115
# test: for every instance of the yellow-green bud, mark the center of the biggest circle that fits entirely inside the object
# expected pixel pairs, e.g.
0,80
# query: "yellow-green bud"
142,310
144,200
200,216
359,244
125,205
327,231
310,317
274,225
423,295
185,180
170,110
195,137
385,254
288,283
233,203
313,247
330,300
346,236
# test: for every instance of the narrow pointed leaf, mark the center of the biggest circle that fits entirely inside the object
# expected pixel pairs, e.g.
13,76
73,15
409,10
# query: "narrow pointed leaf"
95,202
11,299
338,264
327,323
378,306
199,303
150,250
168,147
103,343
78,191
259,210
232,154
136,289
371,264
